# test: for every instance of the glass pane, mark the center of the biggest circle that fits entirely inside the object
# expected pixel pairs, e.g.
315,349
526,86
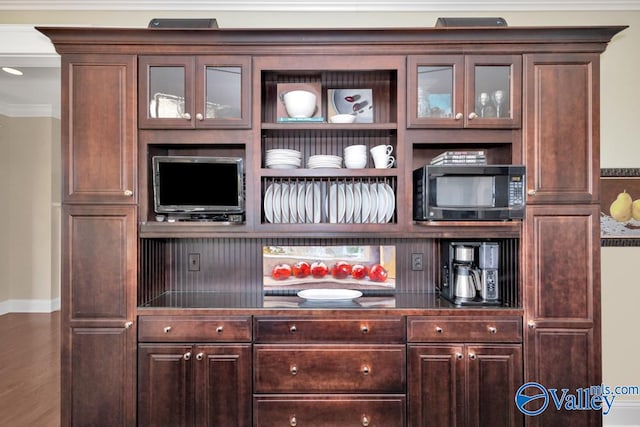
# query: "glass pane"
224,92
492,91
166,92
435,91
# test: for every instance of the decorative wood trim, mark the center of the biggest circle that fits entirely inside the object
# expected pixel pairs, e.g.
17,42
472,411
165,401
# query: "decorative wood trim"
325,5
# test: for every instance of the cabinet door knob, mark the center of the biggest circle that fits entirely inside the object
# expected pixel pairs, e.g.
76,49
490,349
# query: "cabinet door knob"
187,356
293,422
167,329
293,329
492,330
186,116
364,329
473,115
531,324
293,369
365,420
199,356
531,192
439,330
128,324
472,356
199,117
128,193
459,356
459,116
219,329
366,370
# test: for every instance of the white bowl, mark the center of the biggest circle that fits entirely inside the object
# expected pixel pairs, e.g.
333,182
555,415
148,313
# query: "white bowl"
342,118
300,104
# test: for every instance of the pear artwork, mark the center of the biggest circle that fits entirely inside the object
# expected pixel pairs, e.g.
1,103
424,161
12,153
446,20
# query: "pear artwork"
635,209
622,207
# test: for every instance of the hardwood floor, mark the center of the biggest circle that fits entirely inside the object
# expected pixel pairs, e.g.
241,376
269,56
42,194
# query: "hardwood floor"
30,369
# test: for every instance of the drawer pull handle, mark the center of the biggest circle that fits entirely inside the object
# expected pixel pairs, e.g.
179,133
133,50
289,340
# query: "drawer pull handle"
459,356
439,330
364,329
293,370
187,356
219,329
472,356
493,330
365,420
293,329
199,356
293,422
366,370
167,329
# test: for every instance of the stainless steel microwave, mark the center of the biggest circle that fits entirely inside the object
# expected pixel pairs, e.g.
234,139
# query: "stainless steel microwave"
469,192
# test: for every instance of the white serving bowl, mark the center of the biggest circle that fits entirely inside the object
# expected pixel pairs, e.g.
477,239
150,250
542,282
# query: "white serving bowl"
342,118
300,104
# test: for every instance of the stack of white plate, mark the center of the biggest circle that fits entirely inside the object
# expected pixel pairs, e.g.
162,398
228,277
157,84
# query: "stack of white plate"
324,161
283,158
360,203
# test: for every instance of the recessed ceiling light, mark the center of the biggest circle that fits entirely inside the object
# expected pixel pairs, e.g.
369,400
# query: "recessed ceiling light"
12,71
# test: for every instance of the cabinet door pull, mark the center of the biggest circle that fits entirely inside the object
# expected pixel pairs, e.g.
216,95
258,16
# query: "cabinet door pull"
365,420
199,356
531,192
439,330
128,324
472,356
459,356
364,329
473,115
293,329
459,116
167,329
531,324
199,117
493,330
128,193
187,356
219,329
366,370
293,422
293,369
186,116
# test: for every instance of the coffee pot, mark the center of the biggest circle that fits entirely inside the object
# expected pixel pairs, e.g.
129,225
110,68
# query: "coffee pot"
467,281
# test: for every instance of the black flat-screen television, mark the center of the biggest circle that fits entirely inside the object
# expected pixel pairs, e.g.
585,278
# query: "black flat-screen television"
198,185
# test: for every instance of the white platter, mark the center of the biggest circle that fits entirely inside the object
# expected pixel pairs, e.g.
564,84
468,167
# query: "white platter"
329,294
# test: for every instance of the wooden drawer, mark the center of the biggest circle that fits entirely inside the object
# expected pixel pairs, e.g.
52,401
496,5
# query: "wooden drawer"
305,329
464,329
194,328
329,411
329,369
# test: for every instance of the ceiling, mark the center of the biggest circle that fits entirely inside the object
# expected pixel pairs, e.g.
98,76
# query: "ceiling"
37,92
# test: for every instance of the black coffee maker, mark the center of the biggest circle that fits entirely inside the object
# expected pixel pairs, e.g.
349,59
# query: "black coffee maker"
470,273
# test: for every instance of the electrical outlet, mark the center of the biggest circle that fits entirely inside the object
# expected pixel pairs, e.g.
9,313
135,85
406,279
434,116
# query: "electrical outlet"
417,262
194,262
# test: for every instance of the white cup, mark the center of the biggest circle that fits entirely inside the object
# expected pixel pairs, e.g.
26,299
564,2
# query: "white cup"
382,158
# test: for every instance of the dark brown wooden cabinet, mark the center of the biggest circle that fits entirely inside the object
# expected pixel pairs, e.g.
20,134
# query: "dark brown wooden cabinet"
524,95
194,385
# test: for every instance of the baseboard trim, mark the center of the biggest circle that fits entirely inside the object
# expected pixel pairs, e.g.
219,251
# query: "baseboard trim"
29,306
624,413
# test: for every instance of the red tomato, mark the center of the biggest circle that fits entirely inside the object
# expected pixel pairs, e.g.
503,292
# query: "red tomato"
301,269
377,273
319,269
281,272
359,271
341,270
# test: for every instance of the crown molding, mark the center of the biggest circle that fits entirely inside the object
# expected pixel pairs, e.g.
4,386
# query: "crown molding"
324,5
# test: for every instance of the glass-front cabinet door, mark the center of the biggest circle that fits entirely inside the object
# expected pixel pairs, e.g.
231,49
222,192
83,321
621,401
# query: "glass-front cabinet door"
194,92
457,91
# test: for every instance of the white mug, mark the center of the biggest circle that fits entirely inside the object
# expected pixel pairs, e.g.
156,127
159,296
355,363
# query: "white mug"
386,149
384,162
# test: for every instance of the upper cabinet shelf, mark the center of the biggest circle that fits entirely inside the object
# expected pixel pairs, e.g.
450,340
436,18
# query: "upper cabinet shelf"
458,91
178,92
